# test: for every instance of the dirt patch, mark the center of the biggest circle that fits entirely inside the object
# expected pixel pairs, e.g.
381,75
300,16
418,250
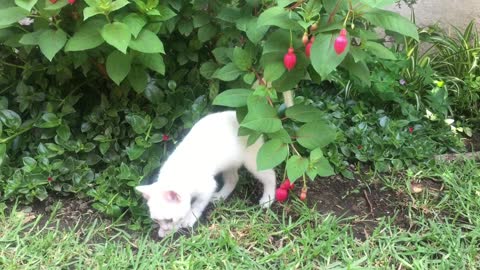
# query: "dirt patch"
473,143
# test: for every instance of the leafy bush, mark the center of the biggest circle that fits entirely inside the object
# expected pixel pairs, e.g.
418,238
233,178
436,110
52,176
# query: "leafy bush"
90,90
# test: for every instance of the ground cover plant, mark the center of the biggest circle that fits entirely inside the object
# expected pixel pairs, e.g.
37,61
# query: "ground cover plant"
95,94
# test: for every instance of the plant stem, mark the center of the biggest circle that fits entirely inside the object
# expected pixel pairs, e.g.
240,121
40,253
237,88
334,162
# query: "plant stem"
15,135
11,65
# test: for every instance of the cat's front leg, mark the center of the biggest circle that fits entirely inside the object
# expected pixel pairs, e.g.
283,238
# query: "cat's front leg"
197,209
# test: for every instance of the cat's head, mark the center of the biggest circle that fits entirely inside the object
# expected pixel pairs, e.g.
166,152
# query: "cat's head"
167,207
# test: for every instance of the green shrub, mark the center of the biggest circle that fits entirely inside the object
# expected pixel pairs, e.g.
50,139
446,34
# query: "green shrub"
89,89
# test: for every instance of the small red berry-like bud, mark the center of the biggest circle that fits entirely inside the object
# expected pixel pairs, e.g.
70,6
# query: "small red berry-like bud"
281,194
308,49
410,129
303,194
290,59
165,138
287,185
341,42
314,27
49,179
305,39
71,2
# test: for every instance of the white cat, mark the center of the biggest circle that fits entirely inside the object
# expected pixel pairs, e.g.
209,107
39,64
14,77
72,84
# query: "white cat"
185,184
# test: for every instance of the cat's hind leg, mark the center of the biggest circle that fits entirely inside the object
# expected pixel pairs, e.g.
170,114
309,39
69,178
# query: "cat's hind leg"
230,180
266,177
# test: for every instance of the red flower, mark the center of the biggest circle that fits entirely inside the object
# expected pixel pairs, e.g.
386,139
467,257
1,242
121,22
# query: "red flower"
49,179
281,194
410,129
165,138
341,42
290,59
71,2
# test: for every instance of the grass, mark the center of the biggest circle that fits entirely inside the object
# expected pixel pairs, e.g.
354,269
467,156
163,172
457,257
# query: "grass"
443,233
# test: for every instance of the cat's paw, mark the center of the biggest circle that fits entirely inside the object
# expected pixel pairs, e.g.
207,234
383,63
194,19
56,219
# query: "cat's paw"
266,201
188,221
162,232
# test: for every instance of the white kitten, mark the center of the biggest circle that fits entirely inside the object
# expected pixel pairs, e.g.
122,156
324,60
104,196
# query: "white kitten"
185,184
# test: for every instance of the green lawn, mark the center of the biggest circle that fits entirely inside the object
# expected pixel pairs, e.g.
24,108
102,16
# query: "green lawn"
443,233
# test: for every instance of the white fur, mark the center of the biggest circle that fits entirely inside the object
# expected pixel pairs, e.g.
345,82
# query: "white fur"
212,146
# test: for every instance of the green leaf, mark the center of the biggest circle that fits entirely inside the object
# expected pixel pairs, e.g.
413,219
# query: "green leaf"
87,37
90,12
153,93
118,66
392,21
379,50
242,59
379,3
281,135
229,72
255,32
280,17
103,147
49,120
10,119
138,79
29,163
63,132
296,167
261,116
165,13
264,125
138,123
135,23
358,69
3,152
324,168
304,113
207,69
51,42
118,35
12,15
315,134
207,32
135,151
147,42
118,4
274,70
26,4
316,154
233,98
271,154
31,38
323,56
153,62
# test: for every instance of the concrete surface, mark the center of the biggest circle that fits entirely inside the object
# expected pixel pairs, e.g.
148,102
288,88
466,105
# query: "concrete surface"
446,12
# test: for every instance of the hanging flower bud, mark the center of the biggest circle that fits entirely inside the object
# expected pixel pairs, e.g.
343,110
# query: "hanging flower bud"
314,27
305,39
71,2
281,194
303,194
290,59
308,48
341,42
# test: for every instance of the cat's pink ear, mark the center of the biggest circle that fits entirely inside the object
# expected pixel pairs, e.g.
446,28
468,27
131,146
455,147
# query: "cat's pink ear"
171,196
145,190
